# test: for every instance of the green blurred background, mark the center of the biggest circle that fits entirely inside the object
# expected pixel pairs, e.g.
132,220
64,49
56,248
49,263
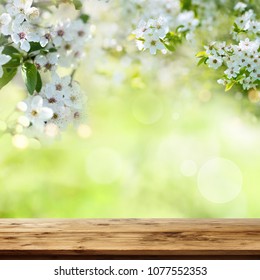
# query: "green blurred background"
162,139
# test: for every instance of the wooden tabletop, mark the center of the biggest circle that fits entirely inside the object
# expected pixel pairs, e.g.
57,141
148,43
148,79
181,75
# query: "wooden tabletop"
129,239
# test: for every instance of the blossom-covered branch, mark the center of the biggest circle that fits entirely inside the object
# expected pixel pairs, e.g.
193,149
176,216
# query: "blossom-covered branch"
164,25
37,49
239,60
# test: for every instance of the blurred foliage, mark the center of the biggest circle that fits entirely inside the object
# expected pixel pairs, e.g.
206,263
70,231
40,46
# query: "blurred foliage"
153,127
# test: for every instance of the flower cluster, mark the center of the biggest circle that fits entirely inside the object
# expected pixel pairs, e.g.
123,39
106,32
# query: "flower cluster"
39,49
164,25
246,24
150,35
240,60
59,104
207,11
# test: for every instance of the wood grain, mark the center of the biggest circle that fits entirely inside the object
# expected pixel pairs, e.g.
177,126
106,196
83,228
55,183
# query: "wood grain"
129,239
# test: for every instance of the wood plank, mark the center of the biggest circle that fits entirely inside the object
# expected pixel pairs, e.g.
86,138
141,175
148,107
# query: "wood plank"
129,238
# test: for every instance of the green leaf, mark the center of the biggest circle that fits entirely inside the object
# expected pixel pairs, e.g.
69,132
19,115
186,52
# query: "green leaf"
77,4
85,18
3,40
35,46
10,50
179,27
230,85
13,63
171,40
236,28
202,60
201,54
8,75
169,47
38,87
52,50
15,55
173,37
29,73
240,77
186,4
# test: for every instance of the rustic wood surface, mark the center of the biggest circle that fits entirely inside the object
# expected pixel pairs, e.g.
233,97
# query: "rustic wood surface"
129,239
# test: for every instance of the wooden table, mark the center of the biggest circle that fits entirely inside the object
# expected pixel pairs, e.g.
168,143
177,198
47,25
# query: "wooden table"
129,239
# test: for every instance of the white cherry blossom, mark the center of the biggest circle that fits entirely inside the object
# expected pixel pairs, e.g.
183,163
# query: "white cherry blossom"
37,113
62,33
214,62
240,58
55,101
5,20
23,34
3,60
153,43
47,62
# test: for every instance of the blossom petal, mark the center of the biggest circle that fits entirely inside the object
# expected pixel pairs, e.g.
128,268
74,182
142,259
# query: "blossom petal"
46,114
37,102
4,59
25,45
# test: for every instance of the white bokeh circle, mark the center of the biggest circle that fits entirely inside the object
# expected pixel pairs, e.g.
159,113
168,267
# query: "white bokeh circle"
220,180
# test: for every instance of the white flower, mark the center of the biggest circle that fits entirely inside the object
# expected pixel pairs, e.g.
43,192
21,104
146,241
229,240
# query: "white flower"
248,83
243,22
221,82
50,97
190,37
221,48
153,43
74,97
240,59
5,20
58,85
78,117
255,74
22,10
140,45
47,62
3,60
161,16
61,33
240,6
246,45
161,27
19,6
254,27
141,28
173,6
45,37
231,73
23,35
80,32
214,62
187,20
36,113
61,116
32,14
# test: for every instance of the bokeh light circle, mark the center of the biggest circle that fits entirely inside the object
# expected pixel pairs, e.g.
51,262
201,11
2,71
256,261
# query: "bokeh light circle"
220,180
147,109
104,165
